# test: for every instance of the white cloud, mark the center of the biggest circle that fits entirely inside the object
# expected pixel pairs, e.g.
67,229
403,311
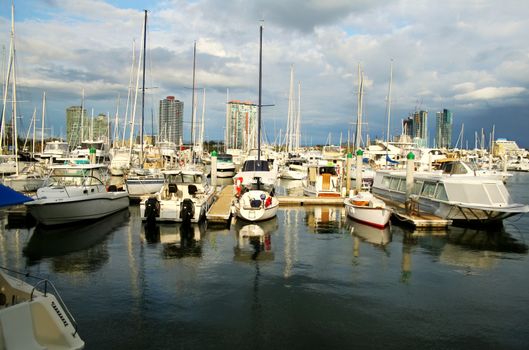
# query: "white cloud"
491,93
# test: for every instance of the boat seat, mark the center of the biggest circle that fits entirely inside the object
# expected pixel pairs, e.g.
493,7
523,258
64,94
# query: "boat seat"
17,327
172,188
192,190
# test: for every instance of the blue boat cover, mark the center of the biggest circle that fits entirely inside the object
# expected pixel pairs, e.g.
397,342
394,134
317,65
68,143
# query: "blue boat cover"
388,159
9,197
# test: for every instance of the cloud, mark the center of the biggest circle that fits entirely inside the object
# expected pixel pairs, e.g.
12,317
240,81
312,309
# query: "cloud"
491,93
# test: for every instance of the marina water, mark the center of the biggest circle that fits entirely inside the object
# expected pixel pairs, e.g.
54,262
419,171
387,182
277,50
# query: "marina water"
310,278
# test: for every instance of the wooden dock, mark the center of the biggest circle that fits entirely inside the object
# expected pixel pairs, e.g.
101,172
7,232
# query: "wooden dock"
415,218
220,211
301,200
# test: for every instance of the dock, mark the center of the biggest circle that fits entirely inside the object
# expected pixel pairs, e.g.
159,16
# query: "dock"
220,211
415,218
301,200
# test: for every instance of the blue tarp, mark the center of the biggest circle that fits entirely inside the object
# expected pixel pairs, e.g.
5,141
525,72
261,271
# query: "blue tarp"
9,197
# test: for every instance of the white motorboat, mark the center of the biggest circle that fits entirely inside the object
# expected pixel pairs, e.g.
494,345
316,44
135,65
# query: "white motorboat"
34,319
75,192
294,169
322,180
368,209
53,151
462,197
225,166
184,197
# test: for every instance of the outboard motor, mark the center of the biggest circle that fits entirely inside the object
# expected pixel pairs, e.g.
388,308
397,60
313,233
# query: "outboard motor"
152,209
187,210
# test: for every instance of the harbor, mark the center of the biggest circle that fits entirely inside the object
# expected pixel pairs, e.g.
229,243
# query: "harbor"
310,277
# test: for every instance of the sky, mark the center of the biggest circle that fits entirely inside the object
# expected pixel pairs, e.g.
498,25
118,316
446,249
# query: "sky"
471,57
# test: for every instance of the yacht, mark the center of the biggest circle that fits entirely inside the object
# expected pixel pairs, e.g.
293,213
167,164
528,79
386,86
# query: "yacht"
225,166
184,197
452,193
75,192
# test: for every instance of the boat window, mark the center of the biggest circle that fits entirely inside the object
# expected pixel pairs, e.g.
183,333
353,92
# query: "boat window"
458,168
440,192
402,185
188,178
328,170
494,193
255,165
385,181
428,190
417,186
393,184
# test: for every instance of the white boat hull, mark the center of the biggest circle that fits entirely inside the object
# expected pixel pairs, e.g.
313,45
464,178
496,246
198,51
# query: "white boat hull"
170,209
24,184
139,187
246,211
377,217
55,211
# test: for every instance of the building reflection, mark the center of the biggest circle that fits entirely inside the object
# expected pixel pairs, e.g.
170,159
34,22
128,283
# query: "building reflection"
254,240
78,247
324,219
177,240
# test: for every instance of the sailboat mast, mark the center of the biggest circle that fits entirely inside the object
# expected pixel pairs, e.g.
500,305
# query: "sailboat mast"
42,124
143,85
193,95
15,131
260,87
388,110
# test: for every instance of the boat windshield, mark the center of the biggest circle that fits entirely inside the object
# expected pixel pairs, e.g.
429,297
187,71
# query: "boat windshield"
328,170
256,165
76,177
225,158
184,178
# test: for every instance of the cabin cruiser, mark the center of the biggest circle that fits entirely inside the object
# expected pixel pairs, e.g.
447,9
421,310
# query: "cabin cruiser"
225,166
294,169
322,180
54,151
451,193
29,179
184,197
34,319
255,198
75,192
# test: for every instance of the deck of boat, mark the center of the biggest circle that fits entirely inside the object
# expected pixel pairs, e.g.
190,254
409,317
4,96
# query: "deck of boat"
415,217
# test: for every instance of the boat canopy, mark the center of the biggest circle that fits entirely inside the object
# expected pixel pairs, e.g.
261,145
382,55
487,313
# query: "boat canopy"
256,165
10,197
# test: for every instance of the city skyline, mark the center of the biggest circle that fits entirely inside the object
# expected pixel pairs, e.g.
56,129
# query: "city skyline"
467,57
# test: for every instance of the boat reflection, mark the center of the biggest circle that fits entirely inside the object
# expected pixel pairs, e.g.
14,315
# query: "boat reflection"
376,236
324,220
254,240
177,240
81,246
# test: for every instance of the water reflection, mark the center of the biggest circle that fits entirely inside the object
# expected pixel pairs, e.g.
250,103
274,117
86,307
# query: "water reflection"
177,240
254,240
325,220
76,247
379,237
291,187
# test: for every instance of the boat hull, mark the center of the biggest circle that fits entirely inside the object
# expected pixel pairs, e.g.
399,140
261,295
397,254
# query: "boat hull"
244,209
24,184
377,217
56,211
139,187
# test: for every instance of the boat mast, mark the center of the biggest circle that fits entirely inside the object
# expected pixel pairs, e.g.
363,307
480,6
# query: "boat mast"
42,124
14,88
260,87
388,109
143,86
359,109
193,96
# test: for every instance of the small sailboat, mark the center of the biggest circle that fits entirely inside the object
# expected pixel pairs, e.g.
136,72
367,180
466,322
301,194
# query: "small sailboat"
366,208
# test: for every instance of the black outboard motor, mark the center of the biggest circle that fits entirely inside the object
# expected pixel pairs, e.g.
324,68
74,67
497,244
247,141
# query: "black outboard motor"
187,210
152,210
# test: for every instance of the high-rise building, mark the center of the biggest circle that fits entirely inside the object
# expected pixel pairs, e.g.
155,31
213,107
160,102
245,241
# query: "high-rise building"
420,128
171,120
99,128
75,132
407,127
241,125
443,129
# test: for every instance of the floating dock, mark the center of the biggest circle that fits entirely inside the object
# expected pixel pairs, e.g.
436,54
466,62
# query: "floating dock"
301,200
220,211
415,218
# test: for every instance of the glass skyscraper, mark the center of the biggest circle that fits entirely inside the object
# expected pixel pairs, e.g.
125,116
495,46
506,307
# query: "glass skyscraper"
241,125
171,120
443,129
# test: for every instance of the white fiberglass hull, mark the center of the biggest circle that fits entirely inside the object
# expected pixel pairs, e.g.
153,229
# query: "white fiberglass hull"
248,209
139,187
55,211
170,210
374,216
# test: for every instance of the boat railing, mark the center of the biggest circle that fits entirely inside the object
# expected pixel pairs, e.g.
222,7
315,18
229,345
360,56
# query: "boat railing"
46,282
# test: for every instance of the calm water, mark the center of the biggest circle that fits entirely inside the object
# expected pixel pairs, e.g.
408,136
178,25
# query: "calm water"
314,279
